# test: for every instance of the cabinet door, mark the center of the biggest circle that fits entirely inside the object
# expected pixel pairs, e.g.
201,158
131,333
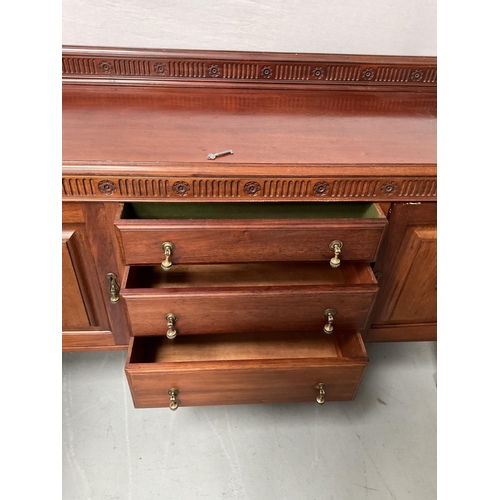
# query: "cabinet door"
82,303
84,320
75,313
406,308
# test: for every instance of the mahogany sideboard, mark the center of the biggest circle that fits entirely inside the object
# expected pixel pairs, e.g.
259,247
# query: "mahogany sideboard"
256,275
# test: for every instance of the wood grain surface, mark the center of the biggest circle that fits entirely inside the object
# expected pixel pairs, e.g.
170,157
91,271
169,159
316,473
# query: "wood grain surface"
222,241
263,302
235,378
406,307
261,127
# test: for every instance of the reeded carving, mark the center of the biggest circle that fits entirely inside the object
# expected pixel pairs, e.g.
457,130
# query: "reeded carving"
145,63
368,74
318,73
321,188
181,188
252,188
160,68
389,187
214,70
417,75
266,72
284,188
107,187
105,67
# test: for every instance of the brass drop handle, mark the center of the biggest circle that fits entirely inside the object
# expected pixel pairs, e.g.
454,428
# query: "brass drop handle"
168,248
336,248
329,313
174,404
114,289
321,398
171,319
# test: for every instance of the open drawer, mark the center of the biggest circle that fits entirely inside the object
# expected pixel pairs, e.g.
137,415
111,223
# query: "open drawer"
234,369
255,297
212,233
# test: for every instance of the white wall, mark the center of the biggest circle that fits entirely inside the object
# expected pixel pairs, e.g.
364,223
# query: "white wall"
383,27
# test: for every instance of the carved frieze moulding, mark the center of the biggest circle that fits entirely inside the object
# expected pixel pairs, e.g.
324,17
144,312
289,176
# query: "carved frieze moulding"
155,65
282,189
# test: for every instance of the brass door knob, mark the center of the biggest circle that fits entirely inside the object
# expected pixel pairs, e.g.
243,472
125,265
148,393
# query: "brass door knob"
321,398
329,313
171,319
174,404
168,248
336,248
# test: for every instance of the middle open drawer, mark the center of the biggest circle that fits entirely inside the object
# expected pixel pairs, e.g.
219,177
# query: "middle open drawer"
254,297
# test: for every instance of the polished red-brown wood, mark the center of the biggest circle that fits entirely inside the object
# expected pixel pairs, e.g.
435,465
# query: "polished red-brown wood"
133,66
223,241
74,312
258,368
185,125
138,125
406,308
89,320
138,134
84,315
278,297
99,218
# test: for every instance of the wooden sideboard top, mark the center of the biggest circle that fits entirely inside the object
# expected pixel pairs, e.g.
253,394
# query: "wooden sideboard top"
133,139
260,126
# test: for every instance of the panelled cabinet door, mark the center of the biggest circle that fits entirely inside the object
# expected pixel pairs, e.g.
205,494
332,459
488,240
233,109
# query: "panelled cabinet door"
82,308
84,320
92,318
406,307
75,315
414,297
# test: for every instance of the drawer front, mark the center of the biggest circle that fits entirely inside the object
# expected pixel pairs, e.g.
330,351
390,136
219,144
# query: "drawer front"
245,386
229,374
248,311
229,241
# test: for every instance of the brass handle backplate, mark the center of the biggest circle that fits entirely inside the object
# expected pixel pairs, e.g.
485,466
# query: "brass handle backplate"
171,319
329,313
174,404
321,398
336,248
168,248
114,289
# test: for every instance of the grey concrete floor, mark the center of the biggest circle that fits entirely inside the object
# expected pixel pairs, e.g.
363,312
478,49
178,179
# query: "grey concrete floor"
381,446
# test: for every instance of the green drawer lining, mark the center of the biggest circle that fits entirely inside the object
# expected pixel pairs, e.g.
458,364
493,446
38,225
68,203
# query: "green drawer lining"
244,210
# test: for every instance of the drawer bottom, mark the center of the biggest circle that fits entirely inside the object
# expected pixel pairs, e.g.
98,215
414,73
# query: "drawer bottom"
258,368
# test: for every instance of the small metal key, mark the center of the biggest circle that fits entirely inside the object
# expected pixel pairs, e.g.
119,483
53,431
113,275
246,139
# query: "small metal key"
213,156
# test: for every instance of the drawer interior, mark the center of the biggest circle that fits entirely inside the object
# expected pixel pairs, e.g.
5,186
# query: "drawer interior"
250,369
306,346
246,210
249,274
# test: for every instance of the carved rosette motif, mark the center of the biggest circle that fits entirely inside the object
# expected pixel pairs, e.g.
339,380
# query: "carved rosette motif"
266,72
181,188
105,67
107,187
389,187
159,68
425,188
213,70
368,74
331,71
321,188
252,188
416,75
318,73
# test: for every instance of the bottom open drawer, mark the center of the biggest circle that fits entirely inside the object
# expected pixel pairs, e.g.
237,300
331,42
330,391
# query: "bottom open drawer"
202,370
